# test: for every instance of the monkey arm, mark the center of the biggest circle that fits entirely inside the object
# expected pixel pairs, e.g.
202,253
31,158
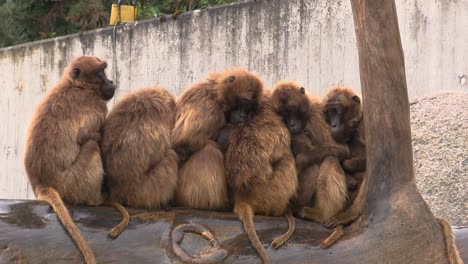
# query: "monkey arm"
223,137
85,136
315,154
355,164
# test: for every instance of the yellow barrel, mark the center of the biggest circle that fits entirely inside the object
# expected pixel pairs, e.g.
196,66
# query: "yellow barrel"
128,13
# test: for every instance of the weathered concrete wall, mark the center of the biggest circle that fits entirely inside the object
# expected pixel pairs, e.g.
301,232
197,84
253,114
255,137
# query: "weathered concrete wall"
310,41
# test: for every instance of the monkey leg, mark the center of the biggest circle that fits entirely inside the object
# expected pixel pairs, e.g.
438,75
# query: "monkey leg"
278,242
353,212
336,235
307,185
201,182
310,213
53,198
452,252
83,179
245,213
331,196
119,228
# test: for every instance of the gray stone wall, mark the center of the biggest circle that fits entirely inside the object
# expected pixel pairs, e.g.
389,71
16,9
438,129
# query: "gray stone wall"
311,41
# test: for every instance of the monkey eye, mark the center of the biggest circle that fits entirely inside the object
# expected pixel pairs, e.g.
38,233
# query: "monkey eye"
75,73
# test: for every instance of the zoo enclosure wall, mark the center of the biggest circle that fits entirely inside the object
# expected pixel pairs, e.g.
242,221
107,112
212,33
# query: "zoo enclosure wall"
312,42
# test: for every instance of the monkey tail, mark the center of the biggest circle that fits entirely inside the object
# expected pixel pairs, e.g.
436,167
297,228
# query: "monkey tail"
119,228
52,197
215,254
278,242
336,235
245,213
452,251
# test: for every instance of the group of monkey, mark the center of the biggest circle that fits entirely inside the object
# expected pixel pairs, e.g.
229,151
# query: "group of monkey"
227,143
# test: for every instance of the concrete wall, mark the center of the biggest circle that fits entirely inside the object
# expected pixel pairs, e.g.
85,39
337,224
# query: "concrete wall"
311,41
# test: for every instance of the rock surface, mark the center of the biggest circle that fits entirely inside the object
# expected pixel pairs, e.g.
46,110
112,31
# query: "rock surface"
439,125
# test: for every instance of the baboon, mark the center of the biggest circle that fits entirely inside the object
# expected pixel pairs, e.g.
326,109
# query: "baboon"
63,160
139,162
343,111
322,184
260,168
200,117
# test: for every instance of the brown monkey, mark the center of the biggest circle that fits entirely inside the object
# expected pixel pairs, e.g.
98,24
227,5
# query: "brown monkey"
260,168
62,159
200,117
343,111
139,162
317,155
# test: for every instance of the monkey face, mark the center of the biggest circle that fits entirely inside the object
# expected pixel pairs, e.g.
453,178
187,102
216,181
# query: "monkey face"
292,117
243,110
339,116
90,70
107,87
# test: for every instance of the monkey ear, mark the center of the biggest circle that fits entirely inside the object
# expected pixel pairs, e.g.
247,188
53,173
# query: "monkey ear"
302,90
356,99
75,73
231,78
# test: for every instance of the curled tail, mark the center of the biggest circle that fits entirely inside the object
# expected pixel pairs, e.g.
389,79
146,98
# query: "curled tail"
119,228
245,213
336,235
452,251
215,254
278,242
52,197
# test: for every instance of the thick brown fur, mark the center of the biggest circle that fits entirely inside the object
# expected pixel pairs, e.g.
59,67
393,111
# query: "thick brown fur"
139,162
352,134
199,119
322,185
319,177
62,157
260,167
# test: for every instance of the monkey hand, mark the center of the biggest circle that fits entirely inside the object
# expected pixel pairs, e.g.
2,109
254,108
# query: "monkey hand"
354,165
351,183
85,137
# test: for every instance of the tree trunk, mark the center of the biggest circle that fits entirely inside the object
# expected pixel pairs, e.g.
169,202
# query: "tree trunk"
31,233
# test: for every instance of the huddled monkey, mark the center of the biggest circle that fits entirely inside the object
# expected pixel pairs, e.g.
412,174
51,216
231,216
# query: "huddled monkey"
322,191
199,119
63,159
139,162
343,111
260,169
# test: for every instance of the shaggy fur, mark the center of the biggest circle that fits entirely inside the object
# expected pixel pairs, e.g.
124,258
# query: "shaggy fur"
259,164
140,165
62,157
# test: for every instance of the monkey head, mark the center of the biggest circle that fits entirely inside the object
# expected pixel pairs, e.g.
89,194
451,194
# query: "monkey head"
343,111
88,72
241,92
292,103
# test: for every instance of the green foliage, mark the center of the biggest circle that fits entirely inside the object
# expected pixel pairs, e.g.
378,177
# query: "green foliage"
13,29
28,20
